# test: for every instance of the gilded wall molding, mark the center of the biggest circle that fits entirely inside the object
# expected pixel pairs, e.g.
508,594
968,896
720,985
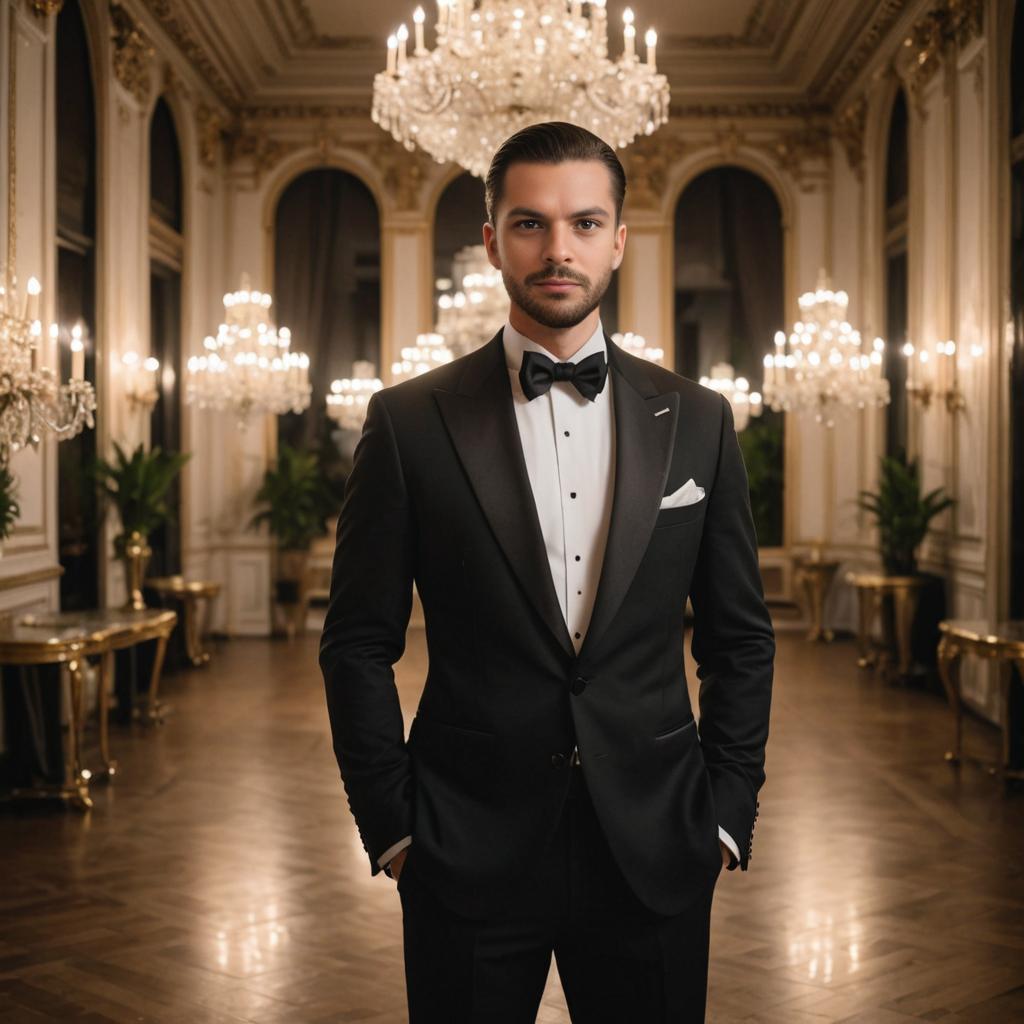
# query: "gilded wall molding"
648,162
849,129
209,127
402,172
44,8
132,54
885,17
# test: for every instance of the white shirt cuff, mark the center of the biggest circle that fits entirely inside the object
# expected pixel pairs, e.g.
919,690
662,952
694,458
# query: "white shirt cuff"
386,856
729,841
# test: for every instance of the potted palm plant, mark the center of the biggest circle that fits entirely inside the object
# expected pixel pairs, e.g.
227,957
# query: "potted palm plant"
901,513
137,486
297,499
9,507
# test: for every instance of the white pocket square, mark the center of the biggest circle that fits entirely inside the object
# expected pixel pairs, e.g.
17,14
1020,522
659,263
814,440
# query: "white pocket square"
688,494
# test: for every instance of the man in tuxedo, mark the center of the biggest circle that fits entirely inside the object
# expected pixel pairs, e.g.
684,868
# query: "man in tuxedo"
556,500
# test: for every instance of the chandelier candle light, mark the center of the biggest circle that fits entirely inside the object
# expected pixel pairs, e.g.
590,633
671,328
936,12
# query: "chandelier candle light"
249,367
636,345
932,373
429,352
826,366
501,65
32,403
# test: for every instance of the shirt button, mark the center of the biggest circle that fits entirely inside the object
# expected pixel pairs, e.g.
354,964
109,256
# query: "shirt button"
577,558
572,494
567,433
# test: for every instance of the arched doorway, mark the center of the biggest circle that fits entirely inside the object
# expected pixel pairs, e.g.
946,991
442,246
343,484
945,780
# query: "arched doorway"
78,519
167,253
895,262
326,287
728,303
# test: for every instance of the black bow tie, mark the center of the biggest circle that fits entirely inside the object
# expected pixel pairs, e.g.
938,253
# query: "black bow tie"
538,373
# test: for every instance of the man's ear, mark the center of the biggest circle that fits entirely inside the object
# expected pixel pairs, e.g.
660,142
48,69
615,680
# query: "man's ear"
491,245
620,245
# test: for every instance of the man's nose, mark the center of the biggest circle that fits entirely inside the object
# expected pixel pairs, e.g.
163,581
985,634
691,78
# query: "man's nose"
557,248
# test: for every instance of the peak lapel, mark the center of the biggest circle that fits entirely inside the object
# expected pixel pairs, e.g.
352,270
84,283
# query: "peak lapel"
643,455
481,422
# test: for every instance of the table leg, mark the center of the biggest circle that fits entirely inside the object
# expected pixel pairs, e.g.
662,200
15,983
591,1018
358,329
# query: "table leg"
905,607
866,608
106,674
77,778
949,655
193,634
155,710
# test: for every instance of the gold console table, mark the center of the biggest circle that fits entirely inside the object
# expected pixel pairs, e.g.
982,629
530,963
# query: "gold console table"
814,576
68,638
872,589
1002,641
189,593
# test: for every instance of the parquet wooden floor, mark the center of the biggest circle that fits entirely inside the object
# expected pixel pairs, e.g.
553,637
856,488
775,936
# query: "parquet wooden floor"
220,879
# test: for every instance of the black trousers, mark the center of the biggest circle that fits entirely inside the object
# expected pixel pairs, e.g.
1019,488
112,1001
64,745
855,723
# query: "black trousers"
618,961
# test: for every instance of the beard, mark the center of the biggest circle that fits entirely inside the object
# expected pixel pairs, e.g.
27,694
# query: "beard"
557,311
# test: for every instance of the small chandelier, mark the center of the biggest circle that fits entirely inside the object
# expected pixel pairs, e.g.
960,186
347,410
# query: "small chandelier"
249,367
429,352
636,344
507,64
349,397
932,373
827,366
32,403
466,316
745,403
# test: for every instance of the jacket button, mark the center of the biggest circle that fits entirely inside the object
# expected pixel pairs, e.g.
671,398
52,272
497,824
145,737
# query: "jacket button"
579,684
558,760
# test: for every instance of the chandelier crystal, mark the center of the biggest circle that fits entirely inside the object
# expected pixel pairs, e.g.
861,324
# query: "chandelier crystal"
249,368
636,345
467,315
430,351
500,65
745,403
349,396
32,402
826,366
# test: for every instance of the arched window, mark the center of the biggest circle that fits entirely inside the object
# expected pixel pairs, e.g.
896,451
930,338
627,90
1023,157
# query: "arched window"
78,523
728,303
1017,307
167,252
326,287
897,194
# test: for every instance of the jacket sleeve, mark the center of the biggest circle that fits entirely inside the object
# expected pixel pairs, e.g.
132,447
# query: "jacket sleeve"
364,635
733,644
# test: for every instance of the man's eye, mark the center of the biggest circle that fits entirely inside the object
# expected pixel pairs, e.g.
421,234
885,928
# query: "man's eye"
588,221
520,223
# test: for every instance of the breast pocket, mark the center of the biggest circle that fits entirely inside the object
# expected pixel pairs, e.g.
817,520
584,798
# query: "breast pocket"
683,514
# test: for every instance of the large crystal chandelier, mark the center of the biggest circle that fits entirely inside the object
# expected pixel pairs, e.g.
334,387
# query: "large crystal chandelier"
636,345
500,65
826,366
249,367
467,315
32,402
349,396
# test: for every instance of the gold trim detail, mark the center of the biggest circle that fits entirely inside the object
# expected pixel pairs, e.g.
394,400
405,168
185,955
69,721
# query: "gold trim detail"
44,8
849,130
24,579
132,53
209,128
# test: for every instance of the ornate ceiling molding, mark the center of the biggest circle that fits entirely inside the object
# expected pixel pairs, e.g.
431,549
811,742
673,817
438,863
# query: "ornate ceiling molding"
181,34
132,53
762,30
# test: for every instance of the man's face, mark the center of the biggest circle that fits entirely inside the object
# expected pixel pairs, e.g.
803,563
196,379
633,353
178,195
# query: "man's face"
556,222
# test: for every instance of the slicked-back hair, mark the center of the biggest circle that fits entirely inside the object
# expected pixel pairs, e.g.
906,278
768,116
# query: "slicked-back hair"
551,142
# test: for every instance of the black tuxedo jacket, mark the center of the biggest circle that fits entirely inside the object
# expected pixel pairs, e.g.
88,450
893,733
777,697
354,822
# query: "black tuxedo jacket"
439,494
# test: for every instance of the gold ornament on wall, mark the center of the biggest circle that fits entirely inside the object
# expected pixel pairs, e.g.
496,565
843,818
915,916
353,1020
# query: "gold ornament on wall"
849,130
132,54
44,8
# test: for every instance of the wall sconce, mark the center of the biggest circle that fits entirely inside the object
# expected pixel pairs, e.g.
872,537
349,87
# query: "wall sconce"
932,373
140,380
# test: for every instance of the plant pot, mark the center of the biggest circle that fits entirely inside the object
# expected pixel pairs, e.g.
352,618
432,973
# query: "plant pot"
290,588
136,557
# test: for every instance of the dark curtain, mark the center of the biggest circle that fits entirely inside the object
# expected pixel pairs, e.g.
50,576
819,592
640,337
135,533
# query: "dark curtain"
729,302
459,220
897,191
78,515
327,286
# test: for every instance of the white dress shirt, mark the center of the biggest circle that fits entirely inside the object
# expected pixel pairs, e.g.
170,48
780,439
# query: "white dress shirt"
569,446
